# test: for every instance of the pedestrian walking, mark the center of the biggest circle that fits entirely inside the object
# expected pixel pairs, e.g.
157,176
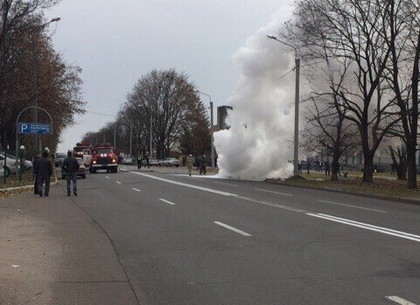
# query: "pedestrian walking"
308,166
44,170
70,167
35,173
139,159
202,165
189,162
147,160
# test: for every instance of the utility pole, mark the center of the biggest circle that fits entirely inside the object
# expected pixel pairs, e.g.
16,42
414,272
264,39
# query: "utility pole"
211,128
296,142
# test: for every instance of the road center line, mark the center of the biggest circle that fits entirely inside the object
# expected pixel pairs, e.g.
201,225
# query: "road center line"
134,189
225,183
166,201
352,206
399,300
201,188
232,228
107,177
280,206
278,193
118,182
367,226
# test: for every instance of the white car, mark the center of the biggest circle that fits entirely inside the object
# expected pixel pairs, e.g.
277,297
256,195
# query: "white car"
170,162
127,160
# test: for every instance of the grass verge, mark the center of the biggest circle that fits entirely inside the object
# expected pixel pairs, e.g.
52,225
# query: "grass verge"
385,186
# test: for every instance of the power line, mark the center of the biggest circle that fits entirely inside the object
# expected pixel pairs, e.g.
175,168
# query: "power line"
102,114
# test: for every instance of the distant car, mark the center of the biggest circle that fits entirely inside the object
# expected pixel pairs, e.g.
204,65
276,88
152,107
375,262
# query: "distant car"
170,162
127,160
59,158
81,172
152,162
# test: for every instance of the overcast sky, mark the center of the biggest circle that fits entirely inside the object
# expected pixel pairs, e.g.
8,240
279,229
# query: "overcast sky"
117,41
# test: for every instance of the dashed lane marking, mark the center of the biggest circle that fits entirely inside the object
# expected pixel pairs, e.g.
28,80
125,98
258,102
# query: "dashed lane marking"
232,228
166,201
399,300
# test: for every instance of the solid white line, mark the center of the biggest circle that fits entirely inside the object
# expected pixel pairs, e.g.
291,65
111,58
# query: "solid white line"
118,182
167,201
278,193
366,226
187,185
107,177
352,206
232,228
399,300
134,189
225,183
280,206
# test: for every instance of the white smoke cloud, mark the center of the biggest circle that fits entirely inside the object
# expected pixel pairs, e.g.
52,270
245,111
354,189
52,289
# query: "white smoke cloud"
258,144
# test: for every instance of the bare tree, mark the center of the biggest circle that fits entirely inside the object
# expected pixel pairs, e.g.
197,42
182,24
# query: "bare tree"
163,98
351,32
403,40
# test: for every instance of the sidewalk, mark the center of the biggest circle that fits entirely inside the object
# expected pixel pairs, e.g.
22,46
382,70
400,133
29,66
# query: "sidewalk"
52,252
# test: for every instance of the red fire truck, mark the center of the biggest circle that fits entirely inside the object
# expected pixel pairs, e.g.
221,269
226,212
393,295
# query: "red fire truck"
104,157
84,151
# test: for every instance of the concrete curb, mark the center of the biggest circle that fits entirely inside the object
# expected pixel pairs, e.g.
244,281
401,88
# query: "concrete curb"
374,196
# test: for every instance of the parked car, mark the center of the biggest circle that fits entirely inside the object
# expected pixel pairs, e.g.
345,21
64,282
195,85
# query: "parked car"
27,164
81,172
59,158
170,162
10,164
127,160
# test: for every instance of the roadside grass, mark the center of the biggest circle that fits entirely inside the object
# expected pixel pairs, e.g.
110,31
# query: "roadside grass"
384,184
13,180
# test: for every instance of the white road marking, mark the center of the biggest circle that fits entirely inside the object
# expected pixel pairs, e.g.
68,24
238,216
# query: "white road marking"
201,188
280,206
232,228
134,189
399,300
118,182
225,183
166,201
352,206
107,177
278,193
367,226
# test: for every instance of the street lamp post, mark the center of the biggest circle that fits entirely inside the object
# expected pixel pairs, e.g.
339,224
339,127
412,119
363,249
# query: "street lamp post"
211,128
296,143
38,147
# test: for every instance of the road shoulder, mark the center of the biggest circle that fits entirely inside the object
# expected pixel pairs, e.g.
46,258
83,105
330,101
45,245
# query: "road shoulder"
53,253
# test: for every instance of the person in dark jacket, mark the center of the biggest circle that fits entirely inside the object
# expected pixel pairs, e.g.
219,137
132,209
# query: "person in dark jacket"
44,170
70,167
34,173
202,164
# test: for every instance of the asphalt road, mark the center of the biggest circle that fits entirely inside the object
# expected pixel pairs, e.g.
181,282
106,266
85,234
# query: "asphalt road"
201,240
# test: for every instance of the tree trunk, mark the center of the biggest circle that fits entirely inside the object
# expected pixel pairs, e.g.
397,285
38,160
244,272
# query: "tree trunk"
368,169
411,167
335,167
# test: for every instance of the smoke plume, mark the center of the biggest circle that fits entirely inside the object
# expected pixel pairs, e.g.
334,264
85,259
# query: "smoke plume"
259,143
